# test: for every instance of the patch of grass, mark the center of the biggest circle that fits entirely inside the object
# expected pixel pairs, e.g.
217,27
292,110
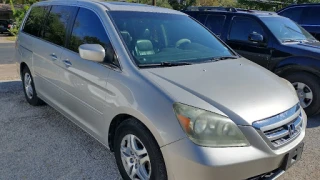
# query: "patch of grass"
11,38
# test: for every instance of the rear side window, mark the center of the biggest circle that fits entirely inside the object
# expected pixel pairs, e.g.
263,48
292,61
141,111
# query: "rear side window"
215,23
88,29
55,27
292,13
35,20
202,18
310,16
242,27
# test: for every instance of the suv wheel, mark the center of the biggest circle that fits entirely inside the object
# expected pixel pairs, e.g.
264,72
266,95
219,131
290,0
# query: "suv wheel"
29,89
138,155
308,90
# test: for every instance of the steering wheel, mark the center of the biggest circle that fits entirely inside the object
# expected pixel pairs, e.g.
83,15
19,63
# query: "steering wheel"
182,41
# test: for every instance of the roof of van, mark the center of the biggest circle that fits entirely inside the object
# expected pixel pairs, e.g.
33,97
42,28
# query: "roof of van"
124,6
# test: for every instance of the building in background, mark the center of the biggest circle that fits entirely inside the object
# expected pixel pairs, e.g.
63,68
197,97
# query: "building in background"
5,11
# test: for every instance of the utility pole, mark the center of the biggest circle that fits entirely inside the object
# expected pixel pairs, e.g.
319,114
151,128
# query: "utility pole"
154,3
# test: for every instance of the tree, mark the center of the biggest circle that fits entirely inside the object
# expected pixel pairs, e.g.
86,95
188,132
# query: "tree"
18,14
271,5
161,3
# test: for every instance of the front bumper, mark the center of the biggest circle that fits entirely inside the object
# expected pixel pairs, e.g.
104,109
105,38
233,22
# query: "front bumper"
185,160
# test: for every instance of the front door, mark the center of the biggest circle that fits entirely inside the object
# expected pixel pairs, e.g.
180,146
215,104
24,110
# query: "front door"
238,39
84,81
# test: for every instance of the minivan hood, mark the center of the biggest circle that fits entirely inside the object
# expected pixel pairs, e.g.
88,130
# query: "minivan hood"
240,89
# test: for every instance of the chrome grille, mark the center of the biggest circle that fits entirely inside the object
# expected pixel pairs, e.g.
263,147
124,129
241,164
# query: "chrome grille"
281,128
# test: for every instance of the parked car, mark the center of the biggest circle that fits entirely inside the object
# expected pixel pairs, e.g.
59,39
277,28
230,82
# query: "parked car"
4,25
272,41
158,89
307,15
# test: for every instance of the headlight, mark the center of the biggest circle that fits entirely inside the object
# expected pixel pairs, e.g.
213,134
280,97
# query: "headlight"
209,129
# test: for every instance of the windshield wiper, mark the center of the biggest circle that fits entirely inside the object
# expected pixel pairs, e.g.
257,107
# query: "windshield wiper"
165,64
223,58
291,40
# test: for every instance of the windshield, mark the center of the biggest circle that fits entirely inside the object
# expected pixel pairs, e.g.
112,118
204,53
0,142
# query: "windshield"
155,38
286,30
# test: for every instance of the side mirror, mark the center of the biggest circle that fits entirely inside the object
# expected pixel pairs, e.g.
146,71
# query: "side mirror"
92,52
255,37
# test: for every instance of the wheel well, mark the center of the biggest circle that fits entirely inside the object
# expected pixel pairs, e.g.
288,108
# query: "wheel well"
116,121
22,66
282,72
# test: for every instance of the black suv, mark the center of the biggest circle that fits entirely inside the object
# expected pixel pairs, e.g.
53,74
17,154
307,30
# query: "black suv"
5,25
272,41
307,15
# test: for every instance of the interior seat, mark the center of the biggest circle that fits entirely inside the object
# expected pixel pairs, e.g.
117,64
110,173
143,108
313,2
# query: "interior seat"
144,47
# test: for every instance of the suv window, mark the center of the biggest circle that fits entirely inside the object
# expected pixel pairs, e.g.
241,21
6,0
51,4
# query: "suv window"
55,27
215,23
202,18
309,16
242,27
293,13
35,20
88,29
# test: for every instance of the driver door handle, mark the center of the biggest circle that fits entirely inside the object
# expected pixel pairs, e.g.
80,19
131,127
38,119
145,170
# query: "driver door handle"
53,56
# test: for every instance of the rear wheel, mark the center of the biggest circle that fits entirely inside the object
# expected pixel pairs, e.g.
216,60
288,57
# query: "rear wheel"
137,153
308,90
29,89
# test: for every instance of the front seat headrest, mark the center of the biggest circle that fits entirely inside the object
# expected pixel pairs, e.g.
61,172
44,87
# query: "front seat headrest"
144,47
126,37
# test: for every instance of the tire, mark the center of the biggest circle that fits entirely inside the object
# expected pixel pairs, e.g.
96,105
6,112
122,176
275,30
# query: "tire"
29,89
312,84
133,128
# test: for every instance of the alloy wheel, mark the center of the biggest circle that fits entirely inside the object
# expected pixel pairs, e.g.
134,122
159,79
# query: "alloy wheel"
135,158
304,93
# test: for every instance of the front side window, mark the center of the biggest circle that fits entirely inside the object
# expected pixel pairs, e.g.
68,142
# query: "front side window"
310,16
154,38
242,27
55,27
286,30
88,29
35,20
215,23
292,13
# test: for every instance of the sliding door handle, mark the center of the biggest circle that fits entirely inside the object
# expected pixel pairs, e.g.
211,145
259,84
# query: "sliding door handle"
67,63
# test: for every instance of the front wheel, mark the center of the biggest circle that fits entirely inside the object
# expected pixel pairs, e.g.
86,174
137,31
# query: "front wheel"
137,153
308,90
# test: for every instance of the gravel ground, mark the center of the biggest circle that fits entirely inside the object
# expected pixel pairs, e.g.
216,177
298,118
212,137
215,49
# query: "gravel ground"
39,143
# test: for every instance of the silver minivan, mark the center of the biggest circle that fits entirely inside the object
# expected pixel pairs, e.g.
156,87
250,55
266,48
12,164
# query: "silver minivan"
158,89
